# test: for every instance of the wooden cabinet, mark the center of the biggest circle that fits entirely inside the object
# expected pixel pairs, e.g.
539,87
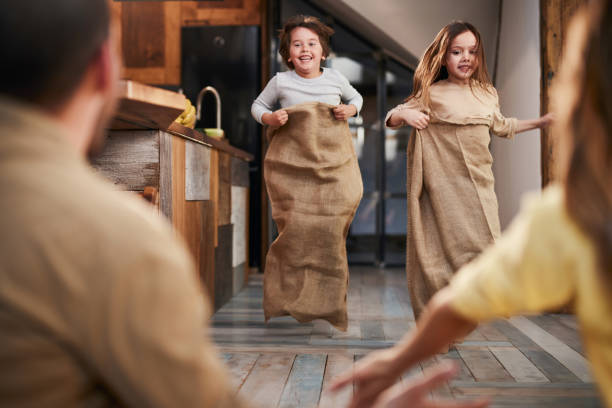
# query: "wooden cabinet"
198,183
150,38
150,32
224,12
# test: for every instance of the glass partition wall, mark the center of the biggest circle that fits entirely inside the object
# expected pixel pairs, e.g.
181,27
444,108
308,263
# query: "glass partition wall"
378,233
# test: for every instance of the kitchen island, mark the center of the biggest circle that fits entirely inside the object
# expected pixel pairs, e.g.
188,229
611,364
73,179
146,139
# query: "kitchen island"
200,183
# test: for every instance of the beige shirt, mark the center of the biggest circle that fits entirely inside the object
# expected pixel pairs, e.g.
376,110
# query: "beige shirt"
542,262
99,304
454,104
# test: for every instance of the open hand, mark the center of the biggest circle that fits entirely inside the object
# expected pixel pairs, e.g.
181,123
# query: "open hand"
343,112
547,120
275,119
415,393
371,376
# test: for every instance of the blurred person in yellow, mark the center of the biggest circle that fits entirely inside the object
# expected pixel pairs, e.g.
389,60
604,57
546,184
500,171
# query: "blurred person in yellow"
100,305
559,248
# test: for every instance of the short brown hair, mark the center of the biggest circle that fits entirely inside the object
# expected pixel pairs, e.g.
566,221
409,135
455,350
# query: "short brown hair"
47,47
309,22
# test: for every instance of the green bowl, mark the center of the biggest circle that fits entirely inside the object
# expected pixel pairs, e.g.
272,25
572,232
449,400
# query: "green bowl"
213,132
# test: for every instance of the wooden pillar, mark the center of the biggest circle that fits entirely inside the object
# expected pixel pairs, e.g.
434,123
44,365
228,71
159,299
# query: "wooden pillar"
554,19
266,27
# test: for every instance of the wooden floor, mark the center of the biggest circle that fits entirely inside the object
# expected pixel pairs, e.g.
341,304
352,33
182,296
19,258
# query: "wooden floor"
535,361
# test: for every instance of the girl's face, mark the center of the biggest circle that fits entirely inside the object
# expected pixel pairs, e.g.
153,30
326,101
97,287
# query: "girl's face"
461,58
305,52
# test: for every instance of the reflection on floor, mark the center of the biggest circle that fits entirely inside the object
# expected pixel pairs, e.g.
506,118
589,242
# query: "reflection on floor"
521,362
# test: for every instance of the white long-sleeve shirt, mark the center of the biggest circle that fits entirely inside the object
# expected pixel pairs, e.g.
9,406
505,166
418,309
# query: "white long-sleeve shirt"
288,88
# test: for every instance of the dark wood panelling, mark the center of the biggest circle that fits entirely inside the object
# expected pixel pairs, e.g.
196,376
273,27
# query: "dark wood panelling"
240,173
165,173
224,282
225,189
188,218
214,193
554,19
130,159
143,34
207,256
150,37
203,4
227,12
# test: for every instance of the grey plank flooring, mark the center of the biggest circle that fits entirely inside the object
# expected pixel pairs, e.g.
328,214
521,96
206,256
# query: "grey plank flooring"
526,362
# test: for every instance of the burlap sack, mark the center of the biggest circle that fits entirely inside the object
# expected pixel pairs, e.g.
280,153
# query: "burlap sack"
452,207
314,185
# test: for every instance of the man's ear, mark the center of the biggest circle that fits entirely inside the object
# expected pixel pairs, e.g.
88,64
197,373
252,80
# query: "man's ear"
105,66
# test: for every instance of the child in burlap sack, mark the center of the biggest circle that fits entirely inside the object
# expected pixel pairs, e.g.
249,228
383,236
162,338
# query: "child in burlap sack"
312,177
452,207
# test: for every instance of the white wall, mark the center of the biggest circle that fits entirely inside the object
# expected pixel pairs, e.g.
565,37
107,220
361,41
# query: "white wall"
414,23
517,162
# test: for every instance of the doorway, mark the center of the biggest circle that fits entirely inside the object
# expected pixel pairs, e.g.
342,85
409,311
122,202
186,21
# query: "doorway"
378,233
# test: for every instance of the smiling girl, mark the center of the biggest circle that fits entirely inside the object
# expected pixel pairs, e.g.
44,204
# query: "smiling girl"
312,178
452,207
304,44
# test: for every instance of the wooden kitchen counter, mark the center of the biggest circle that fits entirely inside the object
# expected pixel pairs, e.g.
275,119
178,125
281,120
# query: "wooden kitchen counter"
201,184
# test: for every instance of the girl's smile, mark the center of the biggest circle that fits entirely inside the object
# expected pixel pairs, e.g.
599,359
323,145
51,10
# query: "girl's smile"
306,52
461,59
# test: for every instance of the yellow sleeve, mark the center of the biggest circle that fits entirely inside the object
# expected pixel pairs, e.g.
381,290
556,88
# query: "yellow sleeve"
502,126
524,271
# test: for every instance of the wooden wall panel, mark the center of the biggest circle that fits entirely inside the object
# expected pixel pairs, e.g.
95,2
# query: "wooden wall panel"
225,189
240,172
150,32
130,159
221,4
150,37
209,229
197,172
214,192
228,12
191,220
142,24
224,283
165,173
554,19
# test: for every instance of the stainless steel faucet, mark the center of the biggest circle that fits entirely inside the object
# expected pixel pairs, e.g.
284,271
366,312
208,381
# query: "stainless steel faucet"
199,104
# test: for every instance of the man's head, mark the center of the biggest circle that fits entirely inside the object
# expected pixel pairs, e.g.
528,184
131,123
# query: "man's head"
52,48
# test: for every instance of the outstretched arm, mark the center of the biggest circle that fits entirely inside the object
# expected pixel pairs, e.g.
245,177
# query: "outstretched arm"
415,394
439,325
528,124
